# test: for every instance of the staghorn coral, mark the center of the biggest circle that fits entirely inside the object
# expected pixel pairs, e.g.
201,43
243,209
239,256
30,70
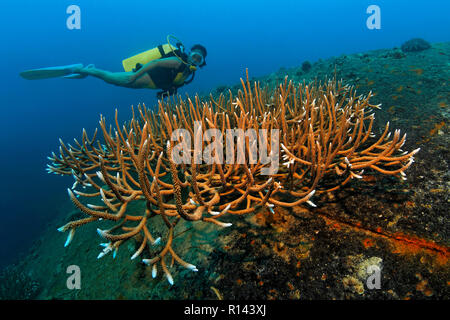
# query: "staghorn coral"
326,139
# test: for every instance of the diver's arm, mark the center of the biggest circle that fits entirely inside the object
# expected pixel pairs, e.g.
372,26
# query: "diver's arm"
170,63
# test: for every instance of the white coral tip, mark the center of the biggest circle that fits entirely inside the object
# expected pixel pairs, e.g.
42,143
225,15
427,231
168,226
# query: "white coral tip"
227,208
101,232
146,261
192,267
169,278
135,255
311,203
69,237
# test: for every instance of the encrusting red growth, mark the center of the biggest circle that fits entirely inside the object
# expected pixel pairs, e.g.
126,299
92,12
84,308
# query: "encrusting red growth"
400,243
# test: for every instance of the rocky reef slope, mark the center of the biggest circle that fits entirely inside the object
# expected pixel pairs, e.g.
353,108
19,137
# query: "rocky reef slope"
401,227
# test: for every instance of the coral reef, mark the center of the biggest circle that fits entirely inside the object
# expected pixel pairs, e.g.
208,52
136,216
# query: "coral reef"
326,139
306,66
415,45
17,285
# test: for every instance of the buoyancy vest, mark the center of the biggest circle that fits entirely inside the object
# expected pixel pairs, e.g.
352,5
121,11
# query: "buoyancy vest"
174,79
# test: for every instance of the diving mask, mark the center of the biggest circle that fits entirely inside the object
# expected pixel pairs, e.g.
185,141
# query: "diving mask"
196,58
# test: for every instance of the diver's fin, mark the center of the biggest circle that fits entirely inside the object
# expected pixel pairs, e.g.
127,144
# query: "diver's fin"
51,72
75,76
79,75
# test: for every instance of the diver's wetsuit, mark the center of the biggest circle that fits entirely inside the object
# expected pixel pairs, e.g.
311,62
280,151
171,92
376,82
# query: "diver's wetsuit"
164,77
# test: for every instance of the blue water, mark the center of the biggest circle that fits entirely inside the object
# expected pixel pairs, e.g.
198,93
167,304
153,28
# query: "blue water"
259,35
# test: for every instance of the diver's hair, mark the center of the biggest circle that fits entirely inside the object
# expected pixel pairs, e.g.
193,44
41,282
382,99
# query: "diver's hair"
201,48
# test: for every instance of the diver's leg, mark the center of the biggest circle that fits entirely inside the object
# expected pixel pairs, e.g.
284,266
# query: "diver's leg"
123,79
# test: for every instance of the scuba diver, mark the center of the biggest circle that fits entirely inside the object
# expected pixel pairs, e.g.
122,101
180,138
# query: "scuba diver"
165,67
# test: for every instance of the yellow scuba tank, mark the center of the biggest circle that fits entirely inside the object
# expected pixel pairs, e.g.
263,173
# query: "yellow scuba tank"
162,51
145,57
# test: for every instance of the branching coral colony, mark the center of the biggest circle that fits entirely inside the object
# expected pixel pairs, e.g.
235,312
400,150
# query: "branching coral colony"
324,132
